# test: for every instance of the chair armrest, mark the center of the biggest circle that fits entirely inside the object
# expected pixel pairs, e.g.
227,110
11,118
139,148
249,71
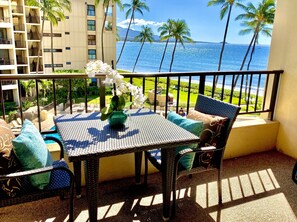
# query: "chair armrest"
35,171
47,137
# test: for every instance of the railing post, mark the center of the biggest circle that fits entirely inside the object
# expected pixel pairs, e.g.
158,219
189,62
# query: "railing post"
274,95
101,93
202,84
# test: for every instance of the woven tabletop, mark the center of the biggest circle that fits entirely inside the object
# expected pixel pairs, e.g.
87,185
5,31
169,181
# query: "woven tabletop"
86,136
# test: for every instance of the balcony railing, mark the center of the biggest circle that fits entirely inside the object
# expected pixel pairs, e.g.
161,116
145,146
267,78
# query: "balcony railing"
4,19
4,61
255,91
17,9
18,27
5,41
32,19
33,36
20,44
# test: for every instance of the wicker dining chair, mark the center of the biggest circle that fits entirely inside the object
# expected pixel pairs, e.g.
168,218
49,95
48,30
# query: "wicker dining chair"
214,154
61,183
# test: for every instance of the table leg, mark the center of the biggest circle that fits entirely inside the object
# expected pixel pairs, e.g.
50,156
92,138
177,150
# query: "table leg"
91,174
137,161
168,156
77,178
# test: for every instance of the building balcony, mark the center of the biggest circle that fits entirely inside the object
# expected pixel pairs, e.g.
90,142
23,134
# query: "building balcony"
17,9
4,20
20,44
5,61
255,175
33,36
33,19
18,27
5,41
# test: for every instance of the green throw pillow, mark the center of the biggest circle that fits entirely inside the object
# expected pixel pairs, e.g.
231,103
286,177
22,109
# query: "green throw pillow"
192,126
32,153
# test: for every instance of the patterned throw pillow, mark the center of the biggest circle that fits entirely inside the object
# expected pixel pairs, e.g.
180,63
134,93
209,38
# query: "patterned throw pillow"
213,128
8,161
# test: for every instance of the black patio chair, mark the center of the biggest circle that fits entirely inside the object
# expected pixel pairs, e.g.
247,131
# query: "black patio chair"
214,154
61,183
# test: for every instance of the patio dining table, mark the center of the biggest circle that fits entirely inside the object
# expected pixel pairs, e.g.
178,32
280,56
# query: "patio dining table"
86,138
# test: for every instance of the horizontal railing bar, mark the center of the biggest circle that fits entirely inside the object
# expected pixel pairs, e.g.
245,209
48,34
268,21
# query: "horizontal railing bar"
130,75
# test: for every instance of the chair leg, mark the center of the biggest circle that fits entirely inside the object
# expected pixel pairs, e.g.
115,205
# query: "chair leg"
77,176
220,185
145,169
71,210
174,197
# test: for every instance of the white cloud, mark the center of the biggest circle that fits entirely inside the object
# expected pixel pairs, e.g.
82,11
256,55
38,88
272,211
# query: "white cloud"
138,22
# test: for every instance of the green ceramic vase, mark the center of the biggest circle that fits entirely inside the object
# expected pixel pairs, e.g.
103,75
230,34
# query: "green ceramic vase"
117,119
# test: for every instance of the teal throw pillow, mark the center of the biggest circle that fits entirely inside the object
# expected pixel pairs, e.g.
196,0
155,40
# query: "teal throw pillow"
32,153
192,126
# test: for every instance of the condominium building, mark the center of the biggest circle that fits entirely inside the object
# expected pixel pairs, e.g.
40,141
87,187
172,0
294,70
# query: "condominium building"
76,40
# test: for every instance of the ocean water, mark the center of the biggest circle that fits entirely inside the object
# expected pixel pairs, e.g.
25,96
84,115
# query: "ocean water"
193,57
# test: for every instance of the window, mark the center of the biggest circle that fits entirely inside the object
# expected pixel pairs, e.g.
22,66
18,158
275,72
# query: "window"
91,10
68,63
67,33
54,50
92,54
67,48
54,34
55,65
91,25
91,40
67,17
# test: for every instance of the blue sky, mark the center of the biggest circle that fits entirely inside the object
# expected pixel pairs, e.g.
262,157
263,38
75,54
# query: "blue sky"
203,21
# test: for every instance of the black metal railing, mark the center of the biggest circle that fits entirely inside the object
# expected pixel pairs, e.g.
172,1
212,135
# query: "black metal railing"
18,27
254,91
4,19
5,41
33,19
4,61
20,44
17,9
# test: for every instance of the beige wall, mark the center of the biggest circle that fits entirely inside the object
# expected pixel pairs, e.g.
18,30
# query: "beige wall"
283,55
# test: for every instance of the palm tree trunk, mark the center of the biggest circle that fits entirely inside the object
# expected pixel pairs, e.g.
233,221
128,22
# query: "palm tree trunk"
40,45
252,52
243,62
102,31
138,56
125,37
52,48
172,58
163,55
224,40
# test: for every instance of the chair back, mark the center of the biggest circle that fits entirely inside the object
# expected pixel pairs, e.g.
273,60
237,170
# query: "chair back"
212,106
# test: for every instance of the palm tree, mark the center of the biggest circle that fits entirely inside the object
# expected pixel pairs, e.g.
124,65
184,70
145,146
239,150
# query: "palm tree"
146,34
135,6
165,34
106,6
226,8
52,10
257,19
180,32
